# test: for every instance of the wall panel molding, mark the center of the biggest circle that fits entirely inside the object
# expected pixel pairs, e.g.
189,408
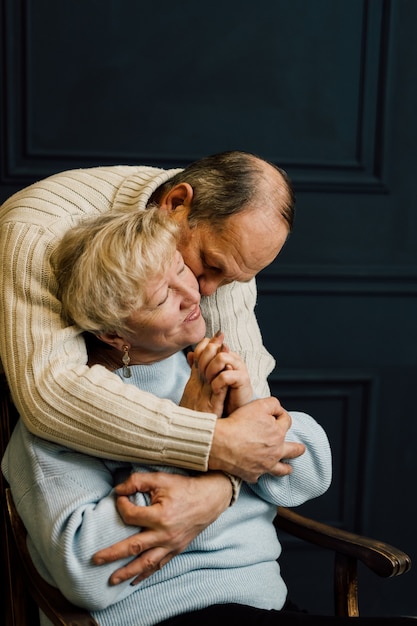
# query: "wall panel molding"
27,156
384,280
344,403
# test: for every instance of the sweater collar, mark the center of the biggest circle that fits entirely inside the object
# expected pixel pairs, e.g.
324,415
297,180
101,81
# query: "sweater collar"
137,188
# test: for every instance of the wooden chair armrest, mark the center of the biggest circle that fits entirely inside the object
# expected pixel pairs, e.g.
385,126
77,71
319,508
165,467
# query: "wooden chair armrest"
382,558
57,608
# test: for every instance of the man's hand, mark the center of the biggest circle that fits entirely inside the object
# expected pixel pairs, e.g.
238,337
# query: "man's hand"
181,507
251,441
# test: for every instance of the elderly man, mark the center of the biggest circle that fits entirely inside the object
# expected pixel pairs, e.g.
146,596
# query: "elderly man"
235,211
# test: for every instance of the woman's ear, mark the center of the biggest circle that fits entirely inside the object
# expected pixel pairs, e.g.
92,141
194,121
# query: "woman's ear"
113,339
177,201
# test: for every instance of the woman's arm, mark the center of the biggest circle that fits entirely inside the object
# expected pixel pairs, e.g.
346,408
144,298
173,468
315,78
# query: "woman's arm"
311,472
67,504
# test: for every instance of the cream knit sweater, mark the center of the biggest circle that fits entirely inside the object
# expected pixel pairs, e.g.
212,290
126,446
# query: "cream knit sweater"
58,396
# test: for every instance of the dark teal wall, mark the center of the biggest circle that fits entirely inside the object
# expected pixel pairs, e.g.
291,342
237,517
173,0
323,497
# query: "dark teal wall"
326,89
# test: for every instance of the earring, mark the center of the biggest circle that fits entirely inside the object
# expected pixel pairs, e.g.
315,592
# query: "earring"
126,360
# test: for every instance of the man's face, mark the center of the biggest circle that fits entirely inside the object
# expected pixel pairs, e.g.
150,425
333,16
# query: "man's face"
249,241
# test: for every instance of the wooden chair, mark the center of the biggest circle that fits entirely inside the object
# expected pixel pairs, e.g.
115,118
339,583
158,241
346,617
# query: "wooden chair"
349,548
48,598
26,591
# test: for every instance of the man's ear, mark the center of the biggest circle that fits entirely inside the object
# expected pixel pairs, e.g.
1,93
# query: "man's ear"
177,201
114,340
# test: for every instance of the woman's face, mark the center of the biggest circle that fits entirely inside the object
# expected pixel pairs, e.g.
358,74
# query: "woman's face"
170,318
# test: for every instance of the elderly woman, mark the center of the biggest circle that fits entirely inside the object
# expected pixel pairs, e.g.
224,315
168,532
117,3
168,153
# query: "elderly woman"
123,281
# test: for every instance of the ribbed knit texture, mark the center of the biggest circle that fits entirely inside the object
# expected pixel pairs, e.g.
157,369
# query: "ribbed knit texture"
57,395
166,378
66,502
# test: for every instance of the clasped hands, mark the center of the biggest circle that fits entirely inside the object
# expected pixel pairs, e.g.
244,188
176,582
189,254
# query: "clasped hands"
249,443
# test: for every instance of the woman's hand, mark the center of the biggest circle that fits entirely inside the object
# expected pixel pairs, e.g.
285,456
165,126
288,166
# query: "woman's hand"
199,395
219,378
227,372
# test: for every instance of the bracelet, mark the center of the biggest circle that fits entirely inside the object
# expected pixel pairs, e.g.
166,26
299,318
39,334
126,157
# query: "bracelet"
236,483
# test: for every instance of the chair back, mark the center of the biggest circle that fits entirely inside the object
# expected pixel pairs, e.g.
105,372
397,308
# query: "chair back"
24,590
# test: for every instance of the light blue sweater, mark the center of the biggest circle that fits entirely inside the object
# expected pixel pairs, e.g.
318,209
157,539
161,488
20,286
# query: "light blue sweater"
66,501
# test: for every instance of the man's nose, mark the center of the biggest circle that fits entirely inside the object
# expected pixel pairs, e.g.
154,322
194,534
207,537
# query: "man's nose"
208,285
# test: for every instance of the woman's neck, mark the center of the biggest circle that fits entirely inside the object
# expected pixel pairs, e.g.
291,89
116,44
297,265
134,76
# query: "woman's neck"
101,353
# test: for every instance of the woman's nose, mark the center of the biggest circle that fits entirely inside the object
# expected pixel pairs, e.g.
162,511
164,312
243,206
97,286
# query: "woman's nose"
190,295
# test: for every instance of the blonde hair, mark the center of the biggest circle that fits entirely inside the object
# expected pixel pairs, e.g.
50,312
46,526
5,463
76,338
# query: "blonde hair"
103,264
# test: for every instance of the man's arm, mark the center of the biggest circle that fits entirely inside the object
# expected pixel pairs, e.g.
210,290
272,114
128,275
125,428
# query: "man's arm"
251,441
248,454
58,396
178,512
150,545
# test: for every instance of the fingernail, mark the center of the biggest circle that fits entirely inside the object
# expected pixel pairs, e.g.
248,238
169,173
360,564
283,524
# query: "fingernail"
219,332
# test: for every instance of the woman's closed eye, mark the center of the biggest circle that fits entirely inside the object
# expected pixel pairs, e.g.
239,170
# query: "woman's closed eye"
164,300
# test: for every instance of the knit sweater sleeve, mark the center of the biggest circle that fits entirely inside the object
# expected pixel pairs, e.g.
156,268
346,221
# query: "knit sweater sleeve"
58,396
311,472
76,491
